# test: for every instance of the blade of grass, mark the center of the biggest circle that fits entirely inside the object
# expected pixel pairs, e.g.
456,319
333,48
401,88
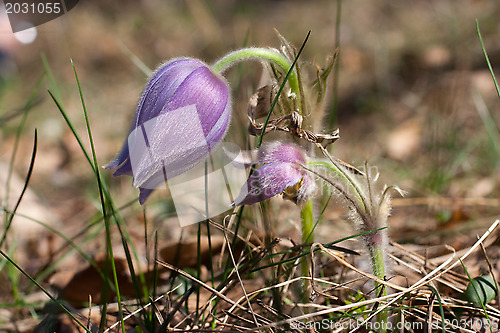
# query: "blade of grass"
68,312
336,69
155,279
102,199
13,275
135,59
307,251
102,190
320,216
487,58
488,123
198,269
50,76
147,319
112,210
44,274
259,142
441,310
207,223
71,127
20,129
478,295
25,187
124,234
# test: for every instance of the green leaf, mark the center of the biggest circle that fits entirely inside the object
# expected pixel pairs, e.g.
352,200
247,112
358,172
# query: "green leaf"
481,290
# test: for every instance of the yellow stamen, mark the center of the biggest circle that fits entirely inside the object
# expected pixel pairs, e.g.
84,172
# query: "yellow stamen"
292,192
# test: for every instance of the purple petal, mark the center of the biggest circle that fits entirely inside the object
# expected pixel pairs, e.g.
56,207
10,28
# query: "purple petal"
193,121
210,93
159,90
125,169
268,181
120,159
184,112
154,182
144,194
162,86
281,152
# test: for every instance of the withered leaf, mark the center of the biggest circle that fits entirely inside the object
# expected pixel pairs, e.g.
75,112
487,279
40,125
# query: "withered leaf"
88,281
260,103
185,254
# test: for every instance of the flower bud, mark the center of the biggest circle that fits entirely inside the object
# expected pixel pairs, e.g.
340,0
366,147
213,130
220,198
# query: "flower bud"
184,112
281,172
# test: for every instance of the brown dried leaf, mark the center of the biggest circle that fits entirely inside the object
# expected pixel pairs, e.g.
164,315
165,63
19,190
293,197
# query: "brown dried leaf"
185,254
88,281
260,103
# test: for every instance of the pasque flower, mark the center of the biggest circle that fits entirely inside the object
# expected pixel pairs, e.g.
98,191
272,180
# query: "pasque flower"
281,172
184,112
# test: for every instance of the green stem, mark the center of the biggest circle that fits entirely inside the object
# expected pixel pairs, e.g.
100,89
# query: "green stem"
275,57
254,53
378,265
306,215
369,215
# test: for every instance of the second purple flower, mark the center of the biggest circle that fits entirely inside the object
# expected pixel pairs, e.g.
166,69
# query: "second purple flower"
281,172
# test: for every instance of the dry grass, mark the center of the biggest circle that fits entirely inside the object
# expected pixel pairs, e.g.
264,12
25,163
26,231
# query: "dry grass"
415,99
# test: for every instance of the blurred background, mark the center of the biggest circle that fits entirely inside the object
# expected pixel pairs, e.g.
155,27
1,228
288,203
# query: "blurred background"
415,99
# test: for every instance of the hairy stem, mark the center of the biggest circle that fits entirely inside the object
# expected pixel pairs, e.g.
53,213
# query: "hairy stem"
254,53
280,60
306,215
378,265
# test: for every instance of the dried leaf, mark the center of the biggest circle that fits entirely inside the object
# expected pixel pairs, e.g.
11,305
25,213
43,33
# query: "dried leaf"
88,281
185,254
260,103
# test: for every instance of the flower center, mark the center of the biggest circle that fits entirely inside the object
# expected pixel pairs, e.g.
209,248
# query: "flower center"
292,192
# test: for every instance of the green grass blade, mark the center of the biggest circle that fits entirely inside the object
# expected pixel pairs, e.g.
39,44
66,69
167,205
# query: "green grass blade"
71,127
477,294
50,76
319,217
95,169
336,70
27,108
68,240
135,59
488,123
25,187
12,262
259,142
102,199
441,310
103,190
487,58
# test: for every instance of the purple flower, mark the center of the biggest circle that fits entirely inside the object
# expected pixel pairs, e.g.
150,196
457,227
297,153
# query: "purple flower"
281,172
184,112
